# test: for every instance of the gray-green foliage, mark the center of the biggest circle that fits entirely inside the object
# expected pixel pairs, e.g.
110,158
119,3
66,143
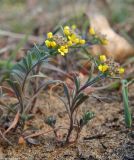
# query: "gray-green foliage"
127,111
23,71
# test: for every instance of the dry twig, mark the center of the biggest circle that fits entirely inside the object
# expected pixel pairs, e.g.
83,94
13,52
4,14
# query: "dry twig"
21,36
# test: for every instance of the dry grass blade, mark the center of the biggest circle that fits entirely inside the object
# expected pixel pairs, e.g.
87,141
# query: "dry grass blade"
7,48
38,134
14,123
7,90
21,36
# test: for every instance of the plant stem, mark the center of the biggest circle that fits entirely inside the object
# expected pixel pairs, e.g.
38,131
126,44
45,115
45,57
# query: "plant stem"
39,62
77,134
70,129
89,83
35,88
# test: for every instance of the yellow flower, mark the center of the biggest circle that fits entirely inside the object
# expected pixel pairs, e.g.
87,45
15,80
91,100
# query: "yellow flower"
76,40
104,41
49,35
82,41
62,50
72,37
48,43
103,68
53,44
66,27
121,70
69,43
103,58
92,31
67,30
73,26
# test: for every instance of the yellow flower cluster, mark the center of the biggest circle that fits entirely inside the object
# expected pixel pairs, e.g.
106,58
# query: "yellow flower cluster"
73,26
62,50
62,43
72,37
102,39
121,70
49,35
49,42
103,58
109,65
103,67
92,31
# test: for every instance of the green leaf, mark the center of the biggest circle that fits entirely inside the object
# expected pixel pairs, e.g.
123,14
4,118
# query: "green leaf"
66,106
26,117
80,100
17,73
79,96
20,66
66,91
18,91
86,117
128,116
25,67
77,82
90,76
25,62
16,87
51,121
29,57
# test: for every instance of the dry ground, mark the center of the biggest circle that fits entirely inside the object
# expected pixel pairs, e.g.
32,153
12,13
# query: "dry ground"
104,138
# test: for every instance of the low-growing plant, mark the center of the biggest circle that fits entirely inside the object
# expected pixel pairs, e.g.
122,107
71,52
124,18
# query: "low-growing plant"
79,92
24,77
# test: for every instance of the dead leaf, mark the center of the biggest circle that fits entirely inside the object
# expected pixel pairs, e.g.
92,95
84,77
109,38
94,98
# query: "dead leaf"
89,90
21,141
32,141
14,123
38,133
8,91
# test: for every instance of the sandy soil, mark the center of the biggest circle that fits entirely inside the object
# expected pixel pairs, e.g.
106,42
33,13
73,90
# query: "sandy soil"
104,138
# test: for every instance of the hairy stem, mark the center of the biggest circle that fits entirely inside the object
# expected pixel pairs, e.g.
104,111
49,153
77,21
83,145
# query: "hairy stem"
35,88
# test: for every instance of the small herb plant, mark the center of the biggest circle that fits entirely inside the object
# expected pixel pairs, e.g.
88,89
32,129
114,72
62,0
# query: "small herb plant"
79,93
24,77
